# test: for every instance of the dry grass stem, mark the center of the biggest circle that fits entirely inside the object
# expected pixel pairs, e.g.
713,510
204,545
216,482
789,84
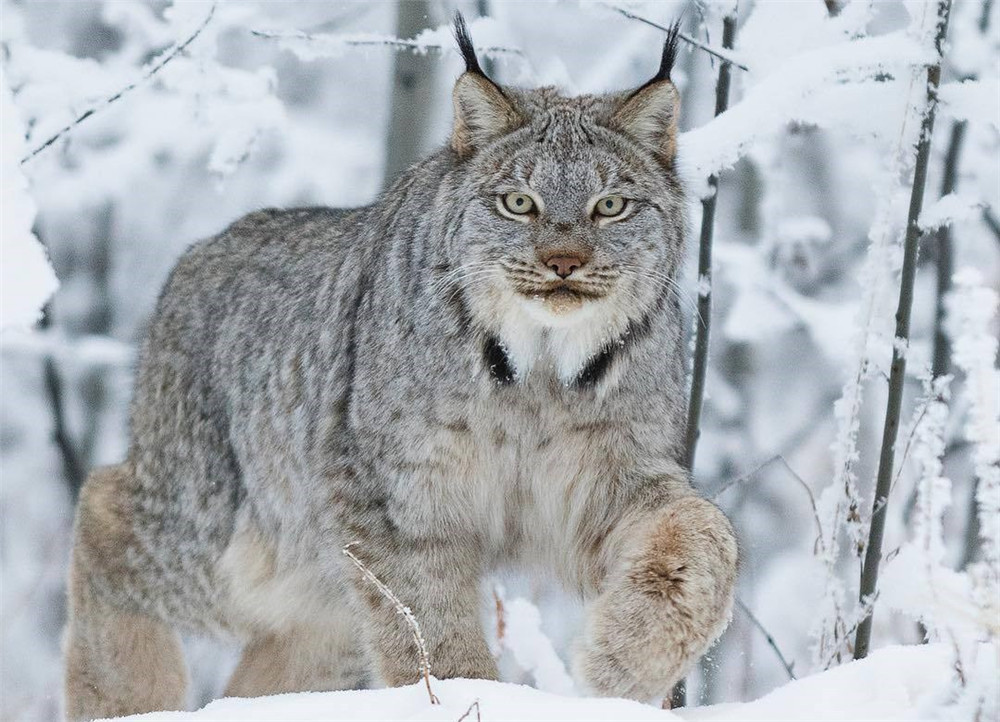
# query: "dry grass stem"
405,612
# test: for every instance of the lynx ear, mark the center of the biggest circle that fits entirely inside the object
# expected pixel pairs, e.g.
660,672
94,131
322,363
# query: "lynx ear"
483,111
650,113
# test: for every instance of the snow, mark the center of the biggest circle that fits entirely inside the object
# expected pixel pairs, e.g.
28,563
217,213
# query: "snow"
894,683
952,208
973,100
26,276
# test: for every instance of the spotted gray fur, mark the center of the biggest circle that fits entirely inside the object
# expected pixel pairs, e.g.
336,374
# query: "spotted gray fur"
405,376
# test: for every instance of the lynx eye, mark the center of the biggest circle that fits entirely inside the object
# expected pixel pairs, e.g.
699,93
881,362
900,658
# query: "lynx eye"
518,203
610,206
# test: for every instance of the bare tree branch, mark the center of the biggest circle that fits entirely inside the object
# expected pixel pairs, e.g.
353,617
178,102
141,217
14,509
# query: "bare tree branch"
724,55
897,375
789,666
153,70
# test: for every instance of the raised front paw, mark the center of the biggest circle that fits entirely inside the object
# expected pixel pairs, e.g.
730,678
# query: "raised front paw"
669,601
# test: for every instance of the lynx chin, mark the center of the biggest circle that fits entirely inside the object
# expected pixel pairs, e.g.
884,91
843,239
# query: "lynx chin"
480,370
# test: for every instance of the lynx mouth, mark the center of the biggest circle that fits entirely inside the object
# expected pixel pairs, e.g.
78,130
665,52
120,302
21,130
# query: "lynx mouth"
559,292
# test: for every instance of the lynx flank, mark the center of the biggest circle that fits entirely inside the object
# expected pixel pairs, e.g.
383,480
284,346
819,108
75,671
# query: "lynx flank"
482,369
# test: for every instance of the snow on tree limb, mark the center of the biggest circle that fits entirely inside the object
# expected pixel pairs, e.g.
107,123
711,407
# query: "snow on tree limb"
26,276
785,95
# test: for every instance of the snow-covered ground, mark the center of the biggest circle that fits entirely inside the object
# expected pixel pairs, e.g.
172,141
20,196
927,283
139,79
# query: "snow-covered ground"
895,683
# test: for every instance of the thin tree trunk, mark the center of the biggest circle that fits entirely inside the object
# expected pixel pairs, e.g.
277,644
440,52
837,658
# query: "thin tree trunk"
678,697
412,93
700,365
897,374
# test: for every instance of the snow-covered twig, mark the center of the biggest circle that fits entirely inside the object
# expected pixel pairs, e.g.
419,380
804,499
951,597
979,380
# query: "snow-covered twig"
767,635
897,377
374,40
404,611
725,55
153,70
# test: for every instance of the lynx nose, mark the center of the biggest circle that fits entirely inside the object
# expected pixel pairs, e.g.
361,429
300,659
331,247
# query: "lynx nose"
564,265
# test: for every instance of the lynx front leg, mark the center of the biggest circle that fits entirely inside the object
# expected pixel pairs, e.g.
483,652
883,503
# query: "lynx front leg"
669,599
440,584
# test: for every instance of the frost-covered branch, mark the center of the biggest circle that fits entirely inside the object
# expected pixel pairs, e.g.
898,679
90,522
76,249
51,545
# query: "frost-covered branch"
153,70
897,375
725,54
333,44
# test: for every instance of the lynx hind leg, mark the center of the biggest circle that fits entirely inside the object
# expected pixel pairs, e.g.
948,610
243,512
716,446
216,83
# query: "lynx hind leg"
304,659
672,598
119,660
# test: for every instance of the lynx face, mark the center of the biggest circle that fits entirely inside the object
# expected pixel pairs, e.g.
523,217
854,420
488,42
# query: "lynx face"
571,222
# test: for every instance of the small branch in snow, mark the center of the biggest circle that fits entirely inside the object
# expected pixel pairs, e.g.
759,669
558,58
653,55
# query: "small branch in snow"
153,70
897,376
385,41
404,611
724,55
789,666
474,705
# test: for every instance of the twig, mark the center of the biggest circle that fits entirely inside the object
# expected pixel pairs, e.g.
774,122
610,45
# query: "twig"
157,67
897,376
724,55
404,612
770,640
469,711
678,697
385,42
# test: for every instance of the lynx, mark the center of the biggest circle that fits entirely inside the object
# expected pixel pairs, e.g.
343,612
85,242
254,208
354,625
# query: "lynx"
481,370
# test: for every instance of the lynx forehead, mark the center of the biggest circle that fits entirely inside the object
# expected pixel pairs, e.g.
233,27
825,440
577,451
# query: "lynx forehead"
481,369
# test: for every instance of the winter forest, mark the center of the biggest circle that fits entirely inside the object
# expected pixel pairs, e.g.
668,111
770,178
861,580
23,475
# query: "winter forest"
842,160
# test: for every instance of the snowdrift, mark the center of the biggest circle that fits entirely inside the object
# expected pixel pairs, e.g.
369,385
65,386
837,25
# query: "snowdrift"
895,683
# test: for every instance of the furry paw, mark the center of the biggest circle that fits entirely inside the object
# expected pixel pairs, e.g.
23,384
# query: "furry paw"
670,601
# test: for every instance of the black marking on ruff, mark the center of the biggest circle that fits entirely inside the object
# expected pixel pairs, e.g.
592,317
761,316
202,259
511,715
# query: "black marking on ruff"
497,362
597,368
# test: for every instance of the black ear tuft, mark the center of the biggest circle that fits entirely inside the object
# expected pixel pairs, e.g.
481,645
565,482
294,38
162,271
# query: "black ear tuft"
464,41
669,53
